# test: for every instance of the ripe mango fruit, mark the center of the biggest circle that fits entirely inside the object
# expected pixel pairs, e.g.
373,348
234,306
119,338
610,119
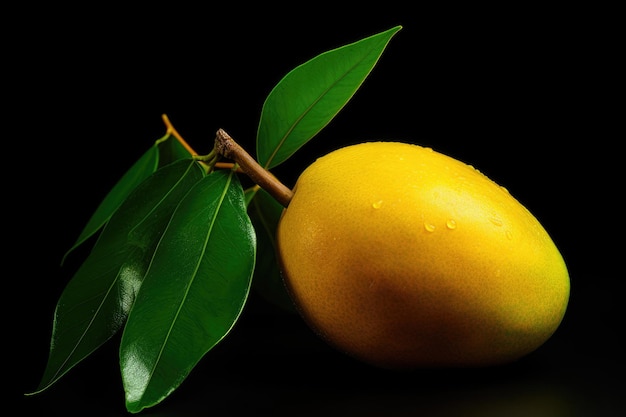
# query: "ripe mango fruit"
403,257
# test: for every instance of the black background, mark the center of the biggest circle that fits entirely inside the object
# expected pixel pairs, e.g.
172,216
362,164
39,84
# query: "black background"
521,94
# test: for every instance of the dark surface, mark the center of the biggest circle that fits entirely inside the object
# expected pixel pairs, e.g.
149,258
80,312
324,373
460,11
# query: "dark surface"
516,94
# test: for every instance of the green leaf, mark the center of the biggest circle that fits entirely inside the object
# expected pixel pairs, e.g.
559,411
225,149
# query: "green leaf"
170,150
96,301
164,151
312,94
265,214
140,170
193,292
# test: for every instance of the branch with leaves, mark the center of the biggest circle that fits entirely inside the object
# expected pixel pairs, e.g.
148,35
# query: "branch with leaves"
179,240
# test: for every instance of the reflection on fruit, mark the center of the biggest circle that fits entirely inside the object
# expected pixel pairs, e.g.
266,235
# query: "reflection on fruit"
404,257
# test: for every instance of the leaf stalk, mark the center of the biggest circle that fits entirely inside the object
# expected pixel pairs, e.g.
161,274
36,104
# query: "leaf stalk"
172,131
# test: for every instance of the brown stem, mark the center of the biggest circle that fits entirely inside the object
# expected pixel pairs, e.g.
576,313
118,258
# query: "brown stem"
227,165
173,132
227,147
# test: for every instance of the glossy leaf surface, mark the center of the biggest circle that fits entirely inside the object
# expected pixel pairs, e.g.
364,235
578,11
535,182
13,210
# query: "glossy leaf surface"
310,96
138,172
96,301
265,213
164,151
193,292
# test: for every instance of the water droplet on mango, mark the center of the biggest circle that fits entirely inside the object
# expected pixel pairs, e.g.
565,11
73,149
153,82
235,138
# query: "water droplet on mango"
495,220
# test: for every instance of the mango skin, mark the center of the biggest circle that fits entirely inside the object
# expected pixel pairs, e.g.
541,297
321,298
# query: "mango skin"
403,257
